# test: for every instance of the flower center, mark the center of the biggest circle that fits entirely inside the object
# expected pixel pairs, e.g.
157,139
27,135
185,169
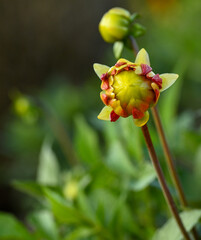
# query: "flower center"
133,91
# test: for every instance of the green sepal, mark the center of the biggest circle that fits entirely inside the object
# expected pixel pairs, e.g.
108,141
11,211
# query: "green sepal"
117,49
134,16
100,69
138,30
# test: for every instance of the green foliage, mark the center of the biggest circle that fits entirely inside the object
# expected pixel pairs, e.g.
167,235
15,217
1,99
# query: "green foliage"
80,233
86,142
144,176
110,191
11,228
189,218
119,161
29,187
64,212
48,168
44,224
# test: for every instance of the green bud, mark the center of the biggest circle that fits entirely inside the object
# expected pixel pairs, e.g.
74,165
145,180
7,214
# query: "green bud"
115,24
24,108
21,105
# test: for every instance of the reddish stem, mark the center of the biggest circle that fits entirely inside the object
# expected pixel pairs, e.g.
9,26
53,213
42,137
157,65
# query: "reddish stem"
162,182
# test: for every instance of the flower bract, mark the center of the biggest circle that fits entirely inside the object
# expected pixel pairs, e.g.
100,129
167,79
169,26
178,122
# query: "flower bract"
131,88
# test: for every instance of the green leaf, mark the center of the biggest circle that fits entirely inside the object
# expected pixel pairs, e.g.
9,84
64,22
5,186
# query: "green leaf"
117,49
44,224
100,69
146,175
197,165
104,204
138,30
63,211
170,231
86,142
118,160
31,188
85,206
80,233
11,228
132,138
48,169
111,132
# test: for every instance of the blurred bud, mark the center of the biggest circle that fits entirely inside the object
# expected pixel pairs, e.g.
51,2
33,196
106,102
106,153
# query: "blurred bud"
71,190
115,25
24,108
21,105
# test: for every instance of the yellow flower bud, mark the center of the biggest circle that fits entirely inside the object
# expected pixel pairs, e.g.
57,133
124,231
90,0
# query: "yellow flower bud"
131,88
24,108
21,105
71,190
115,24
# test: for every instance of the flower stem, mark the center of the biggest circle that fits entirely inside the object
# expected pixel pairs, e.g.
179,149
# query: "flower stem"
170,163
166,150
162,182
134,45
168,156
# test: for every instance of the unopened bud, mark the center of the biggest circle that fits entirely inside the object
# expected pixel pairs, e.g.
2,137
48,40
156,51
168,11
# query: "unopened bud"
115,24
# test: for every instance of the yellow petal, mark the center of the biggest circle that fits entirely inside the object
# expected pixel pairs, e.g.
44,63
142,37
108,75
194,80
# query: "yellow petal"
138,70
105,113
142,57
167,80
120,11
142,121
100,69
121,62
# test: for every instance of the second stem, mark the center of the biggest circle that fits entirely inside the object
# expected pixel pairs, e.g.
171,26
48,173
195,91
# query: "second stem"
162,182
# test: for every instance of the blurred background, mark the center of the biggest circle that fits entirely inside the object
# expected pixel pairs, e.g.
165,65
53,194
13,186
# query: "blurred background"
47,49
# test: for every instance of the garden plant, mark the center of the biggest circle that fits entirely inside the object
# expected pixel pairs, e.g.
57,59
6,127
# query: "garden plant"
94,179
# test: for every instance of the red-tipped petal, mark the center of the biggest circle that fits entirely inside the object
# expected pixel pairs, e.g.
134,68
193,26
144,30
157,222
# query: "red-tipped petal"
104,76
114,71
144,106
127,68
157,80
113,116
137,114
157,92
132,65
119,64
105,85
145,69
104,98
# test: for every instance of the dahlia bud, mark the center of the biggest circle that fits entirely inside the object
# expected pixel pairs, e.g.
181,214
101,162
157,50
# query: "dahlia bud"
24,107
114,25
131,88
71,190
